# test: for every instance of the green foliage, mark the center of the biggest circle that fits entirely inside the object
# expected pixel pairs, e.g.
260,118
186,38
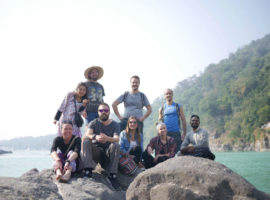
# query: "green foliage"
231,97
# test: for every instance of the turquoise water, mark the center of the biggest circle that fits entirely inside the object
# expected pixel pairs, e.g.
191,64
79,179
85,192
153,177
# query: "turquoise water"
253,166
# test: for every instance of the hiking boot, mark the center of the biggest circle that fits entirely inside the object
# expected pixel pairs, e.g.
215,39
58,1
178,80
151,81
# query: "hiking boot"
88,173
114,182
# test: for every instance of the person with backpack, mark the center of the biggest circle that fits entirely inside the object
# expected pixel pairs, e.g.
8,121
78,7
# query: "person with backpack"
171,114
134,101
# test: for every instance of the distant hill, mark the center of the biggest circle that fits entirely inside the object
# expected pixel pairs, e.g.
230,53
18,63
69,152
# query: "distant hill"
30,143
231,97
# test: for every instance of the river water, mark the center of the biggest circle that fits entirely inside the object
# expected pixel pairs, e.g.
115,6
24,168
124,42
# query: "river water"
253,166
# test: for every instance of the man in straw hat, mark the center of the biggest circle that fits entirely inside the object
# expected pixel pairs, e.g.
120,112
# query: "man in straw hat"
95,91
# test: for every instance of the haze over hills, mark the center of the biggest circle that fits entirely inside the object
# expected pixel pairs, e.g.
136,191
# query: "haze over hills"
232,99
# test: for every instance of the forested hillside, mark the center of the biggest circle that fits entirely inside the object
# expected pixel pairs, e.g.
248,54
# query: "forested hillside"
231,97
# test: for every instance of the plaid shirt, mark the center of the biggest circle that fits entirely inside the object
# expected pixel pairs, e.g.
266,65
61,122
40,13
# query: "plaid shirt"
168,148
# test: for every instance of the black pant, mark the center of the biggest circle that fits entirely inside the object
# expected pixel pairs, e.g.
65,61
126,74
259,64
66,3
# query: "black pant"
137,152
203,152
177,138
149,160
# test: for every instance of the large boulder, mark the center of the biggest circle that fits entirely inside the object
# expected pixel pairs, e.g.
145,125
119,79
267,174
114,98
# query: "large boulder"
191,178
42,185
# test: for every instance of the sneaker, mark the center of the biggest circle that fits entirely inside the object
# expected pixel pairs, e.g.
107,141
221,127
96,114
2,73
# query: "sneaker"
114,182
88,173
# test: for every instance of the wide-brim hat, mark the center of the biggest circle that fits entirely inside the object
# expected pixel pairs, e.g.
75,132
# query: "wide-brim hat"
88,70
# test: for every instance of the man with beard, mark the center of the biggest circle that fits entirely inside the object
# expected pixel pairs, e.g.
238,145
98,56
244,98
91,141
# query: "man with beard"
196,142
134,101
100,144
95,91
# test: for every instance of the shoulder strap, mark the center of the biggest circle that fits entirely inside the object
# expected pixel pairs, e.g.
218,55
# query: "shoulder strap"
125,96
162,112
72,142
75,103
142,97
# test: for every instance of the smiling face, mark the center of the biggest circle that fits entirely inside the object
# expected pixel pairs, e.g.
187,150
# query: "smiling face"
135,83
194,122
168,94
162,130
66,131
93,74
81,91
132,123
103,112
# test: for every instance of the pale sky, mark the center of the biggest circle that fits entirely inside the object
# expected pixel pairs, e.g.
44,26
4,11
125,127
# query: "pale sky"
45,46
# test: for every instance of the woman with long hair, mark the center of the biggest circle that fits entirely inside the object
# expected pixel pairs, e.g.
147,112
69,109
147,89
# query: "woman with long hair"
131,140
67,109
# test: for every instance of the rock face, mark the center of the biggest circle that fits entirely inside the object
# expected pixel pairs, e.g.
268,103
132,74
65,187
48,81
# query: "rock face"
41,185
191,178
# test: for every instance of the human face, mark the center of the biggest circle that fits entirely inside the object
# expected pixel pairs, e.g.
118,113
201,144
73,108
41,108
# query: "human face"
194,122
66,131
168,94
132,124
103,113
81,90
162,130
93,74
134,82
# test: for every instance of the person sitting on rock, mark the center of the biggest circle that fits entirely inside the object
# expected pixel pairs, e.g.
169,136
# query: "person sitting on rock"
196,142
100,144
163,145
65,150
131,140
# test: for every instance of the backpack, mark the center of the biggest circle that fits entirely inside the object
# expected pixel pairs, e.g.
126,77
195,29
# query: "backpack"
126,164
177,108
126,94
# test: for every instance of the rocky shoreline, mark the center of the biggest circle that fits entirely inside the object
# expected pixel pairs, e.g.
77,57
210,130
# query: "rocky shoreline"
178,178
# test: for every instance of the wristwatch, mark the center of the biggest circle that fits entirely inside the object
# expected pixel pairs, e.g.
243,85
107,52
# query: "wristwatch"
94,139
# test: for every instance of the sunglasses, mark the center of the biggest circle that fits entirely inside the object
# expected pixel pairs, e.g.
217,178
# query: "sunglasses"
133,122
103,110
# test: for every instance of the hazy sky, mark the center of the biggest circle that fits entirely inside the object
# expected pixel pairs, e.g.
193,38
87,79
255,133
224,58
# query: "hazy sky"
45,46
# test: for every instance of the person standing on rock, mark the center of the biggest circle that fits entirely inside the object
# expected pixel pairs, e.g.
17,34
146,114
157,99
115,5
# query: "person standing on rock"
95,91
65,152
134,101
171,114
100,144
163,145
196,142
72,103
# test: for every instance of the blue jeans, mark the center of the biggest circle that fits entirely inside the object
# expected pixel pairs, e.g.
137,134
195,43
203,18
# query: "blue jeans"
91,116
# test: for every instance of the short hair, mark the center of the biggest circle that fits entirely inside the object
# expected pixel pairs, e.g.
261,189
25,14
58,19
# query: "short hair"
195,116
104,104
168,89
160,124
135,76
66,122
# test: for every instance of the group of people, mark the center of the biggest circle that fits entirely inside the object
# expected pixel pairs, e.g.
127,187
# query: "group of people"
106,141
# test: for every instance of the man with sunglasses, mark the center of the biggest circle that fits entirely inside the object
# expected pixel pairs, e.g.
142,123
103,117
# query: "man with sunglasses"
134,102
100,145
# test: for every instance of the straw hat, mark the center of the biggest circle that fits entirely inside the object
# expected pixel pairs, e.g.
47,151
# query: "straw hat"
88,70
